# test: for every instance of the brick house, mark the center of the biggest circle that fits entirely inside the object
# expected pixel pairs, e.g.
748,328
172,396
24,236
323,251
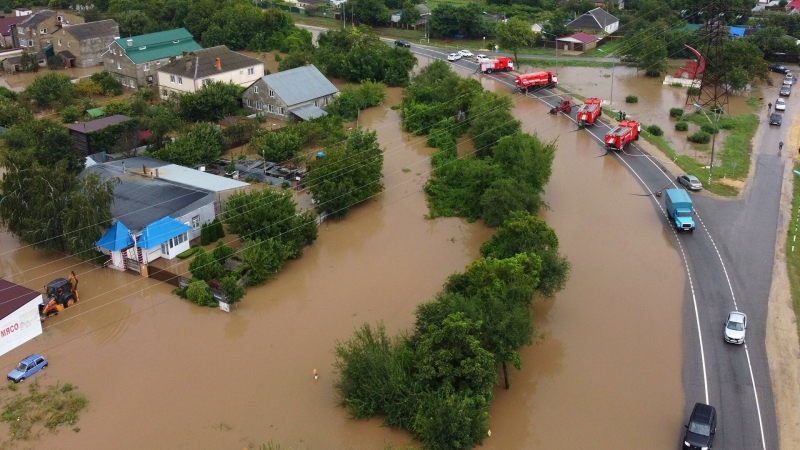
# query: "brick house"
83,45
300,93
32,34
207,65
6,23
135,61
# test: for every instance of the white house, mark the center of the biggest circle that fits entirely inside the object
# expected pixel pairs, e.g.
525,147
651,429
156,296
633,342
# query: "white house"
596,20
19,315
201,67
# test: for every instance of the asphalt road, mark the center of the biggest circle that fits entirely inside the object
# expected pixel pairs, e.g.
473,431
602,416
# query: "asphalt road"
729,262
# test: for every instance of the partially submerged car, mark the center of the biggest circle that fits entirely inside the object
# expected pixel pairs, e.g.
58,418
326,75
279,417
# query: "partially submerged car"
780,104
786,90
27,367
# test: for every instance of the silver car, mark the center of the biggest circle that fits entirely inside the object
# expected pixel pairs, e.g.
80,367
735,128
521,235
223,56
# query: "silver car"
735,327
690,182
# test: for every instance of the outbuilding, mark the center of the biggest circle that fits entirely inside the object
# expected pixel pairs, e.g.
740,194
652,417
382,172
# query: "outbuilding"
19,315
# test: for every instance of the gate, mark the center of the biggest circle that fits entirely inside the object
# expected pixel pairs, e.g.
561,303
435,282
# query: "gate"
163,275
133,265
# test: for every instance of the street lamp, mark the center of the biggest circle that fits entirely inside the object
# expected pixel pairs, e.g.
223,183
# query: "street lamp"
555,38
611,100
716,112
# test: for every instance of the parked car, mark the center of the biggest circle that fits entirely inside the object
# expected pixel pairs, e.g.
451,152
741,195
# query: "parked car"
402,43
690,182
775,119
786,91
735,327
787,81
465,53
27,367
701,428
778,68
780,105
453,57
480,58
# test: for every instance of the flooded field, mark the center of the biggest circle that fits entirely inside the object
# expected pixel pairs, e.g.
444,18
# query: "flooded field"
160,372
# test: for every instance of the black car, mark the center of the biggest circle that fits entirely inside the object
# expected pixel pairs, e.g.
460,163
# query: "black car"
775,119
786,90
779,68
402,43
701,428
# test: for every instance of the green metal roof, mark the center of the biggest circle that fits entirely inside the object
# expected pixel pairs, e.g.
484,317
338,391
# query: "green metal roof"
164,44
95,112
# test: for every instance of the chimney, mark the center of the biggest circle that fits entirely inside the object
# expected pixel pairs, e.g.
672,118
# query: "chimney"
129,42
156,172
218,63
123,166
189,64
144,169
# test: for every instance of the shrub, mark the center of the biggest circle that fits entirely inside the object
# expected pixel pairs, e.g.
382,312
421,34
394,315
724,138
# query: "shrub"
205,266
694,91
198,292
222,253
681,126
71,114
278,58
727,125
700,137
231,289
107,83
219,230
709,128
189,252
205,235
631,99
675,112
655,130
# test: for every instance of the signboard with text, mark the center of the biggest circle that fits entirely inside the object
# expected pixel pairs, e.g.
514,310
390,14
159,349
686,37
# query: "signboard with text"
20,326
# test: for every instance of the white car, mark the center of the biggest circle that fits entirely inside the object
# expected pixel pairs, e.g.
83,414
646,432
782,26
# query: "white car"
465,53
453,57
780,105
735,327
788,80
480,58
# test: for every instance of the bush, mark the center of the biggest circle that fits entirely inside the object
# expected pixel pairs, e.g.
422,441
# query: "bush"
709,128
198,292
675,112
231,290
205,235
71,114
693,91
681,126
700,137
222,253
107,83
631,99
205,266
655,130
219,230
189,252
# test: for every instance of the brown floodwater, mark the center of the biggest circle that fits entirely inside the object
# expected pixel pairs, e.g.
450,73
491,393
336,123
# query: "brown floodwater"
162,373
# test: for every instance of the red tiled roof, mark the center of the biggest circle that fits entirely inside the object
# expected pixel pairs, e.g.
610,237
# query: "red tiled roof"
794,4
587,38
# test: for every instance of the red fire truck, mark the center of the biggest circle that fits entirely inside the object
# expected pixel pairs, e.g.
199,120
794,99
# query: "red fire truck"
620,137
531,82
589,112
501,64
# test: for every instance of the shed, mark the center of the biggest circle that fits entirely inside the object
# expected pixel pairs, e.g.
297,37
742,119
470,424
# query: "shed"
19,315
82,131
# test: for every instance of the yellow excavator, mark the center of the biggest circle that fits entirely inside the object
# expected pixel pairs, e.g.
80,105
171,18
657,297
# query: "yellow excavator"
59,294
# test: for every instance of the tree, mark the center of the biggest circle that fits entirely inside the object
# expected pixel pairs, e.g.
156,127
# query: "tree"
222,252
215,101
49,141
447,420
160,121
515,34
91,14
270,215
261,260
490,115
347,176
199,293
410,15
277,146
648,49
13,113
231,290
134,23
85,87
504,197
88,215
526,159
205,267
202,144
108,85
29,62
51,89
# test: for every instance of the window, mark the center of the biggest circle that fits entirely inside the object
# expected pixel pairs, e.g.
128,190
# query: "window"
59,42
21,31
119,65
143,47
255,89
195,222
43,31
327,100
158,63
172,79
180,80
251,71
271,93
271,108
146,66
280,111
259,106
30,42
316,102
247,102
22,43
164,248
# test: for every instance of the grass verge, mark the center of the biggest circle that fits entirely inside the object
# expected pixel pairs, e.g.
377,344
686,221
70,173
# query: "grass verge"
793,257
43,406
536,62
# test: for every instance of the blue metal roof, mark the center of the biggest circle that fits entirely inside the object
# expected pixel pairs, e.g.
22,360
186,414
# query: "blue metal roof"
117,237
737,31
161,231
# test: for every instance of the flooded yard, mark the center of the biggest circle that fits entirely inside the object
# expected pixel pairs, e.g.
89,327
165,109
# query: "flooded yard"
161,372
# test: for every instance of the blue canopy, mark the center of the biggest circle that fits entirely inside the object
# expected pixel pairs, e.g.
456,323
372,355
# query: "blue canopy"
161,231
118,237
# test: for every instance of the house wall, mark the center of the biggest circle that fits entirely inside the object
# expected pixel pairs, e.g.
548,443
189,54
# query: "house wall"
88,52
32,38
205,214
612,28
129,74
169,83
263,96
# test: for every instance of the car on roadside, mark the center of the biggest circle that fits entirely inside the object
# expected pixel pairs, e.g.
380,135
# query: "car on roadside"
465,53
786,91
453,57
775,119
701,428
481,57
27,367
690,182
787,81
779,69
735,327
780,105
402,43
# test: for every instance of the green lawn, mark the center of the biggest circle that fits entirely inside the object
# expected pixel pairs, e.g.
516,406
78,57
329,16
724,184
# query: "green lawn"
537,62
607,49
793,257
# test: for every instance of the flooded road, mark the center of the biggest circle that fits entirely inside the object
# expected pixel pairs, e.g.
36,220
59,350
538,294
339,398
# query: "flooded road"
162,373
